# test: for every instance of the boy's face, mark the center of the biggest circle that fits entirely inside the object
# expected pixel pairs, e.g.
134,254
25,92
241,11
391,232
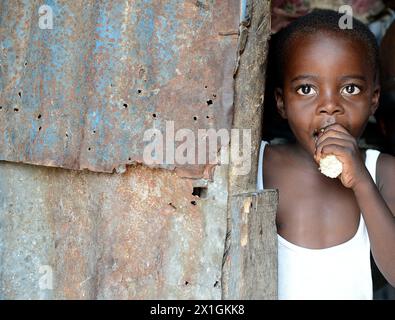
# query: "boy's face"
326,80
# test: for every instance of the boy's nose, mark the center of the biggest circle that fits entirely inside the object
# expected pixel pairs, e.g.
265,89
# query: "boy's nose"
330,106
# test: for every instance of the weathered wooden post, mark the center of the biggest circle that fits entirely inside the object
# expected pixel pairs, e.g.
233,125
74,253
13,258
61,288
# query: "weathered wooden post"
250,260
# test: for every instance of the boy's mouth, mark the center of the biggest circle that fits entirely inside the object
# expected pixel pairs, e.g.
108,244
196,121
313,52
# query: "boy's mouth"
317,133
323,125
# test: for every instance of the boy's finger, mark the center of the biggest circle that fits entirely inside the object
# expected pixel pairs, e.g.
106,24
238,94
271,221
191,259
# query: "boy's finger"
335,149
321,147
331,133
335,126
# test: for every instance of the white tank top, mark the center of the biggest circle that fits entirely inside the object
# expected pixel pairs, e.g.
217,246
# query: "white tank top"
339,272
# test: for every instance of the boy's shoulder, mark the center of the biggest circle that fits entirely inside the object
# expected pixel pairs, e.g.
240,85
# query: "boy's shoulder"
386,179
387,158
273,152
279,151
385,169
279,155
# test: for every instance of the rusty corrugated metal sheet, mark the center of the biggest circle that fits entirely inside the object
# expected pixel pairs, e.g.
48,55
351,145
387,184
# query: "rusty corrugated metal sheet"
80,95
139,235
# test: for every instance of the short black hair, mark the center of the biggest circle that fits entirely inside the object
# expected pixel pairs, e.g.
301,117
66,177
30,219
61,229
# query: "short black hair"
323,20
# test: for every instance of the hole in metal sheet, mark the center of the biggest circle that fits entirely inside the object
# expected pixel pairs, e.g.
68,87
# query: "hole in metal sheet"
39,129
154,115
1,107
200,192
186,283
89,149
193,202
20,94
16,109
214,95
207,117
39,116
205,87
216,284
195,118
209,102
125,105
130,159
139,91
94,131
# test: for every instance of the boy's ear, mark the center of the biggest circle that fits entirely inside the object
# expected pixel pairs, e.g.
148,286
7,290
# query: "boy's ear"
375,100
278,94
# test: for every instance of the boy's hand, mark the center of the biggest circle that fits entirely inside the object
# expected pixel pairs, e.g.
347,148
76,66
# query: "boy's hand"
336,140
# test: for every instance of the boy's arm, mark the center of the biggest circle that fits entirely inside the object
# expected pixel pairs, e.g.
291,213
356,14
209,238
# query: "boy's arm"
378,209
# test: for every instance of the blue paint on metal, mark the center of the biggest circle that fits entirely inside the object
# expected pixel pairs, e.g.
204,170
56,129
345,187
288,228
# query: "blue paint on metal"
6,138
94,118
167,37
28,147
50,137
6,44
107,47
27,10
13,137
144,31
107,31
243,11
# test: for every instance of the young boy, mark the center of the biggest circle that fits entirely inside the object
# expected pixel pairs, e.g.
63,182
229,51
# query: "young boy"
328,88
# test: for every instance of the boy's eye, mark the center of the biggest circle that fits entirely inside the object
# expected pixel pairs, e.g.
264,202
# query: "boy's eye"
306,90
350,89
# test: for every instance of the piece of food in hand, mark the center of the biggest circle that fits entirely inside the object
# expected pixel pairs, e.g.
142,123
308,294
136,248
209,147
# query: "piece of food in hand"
331,166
